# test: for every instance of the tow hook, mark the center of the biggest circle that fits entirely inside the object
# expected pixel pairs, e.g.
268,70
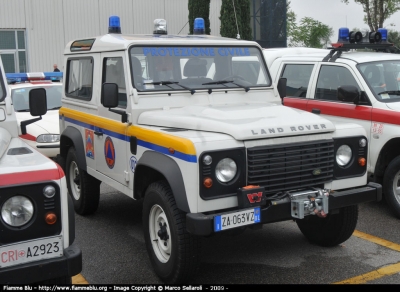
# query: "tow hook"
309,202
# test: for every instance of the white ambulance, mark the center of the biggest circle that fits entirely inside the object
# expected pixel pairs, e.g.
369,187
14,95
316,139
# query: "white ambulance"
37,218
205,151
344,85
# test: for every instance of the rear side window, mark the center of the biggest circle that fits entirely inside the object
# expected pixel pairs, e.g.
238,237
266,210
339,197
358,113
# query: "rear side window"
2,90
330,78
79,82
298,78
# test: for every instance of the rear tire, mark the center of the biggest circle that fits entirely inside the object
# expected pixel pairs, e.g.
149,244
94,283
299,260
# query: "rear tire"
173,252
83,188
332,230
391,186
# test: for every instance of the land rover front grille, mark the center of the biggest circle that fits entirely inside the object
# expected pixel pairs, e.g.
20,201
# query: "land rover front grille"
290,166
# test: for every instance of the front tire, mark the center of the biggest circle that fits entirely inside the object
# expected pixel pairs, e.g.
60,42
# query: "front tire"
173,252
391,186
332,230
82,187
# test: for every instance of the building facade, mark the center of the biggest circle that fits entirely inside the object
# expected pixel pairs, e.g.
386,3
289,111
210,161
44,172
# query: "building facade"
33,33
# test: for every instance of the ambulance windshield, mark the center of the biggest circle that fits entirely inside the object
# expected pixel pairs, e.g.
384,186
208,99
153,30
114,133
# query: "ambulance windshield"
383,78
183,67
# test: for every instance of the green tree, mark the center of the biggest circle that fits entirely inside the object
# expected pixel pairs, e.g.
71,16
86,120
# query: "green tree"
394,37
377,11
229,28
199,8
309,33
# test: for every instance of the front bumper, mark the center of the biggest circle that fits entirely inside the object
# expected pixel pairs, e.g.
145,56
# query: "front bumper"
203,224
70,264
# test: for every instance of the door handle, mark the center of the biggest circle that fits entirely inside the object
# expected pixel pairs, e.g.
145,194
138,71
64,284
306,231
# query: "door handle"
316,111
98,133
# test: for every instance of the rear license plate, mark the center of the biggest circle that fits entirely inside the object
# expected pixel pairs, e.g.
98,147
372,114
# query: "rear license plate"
29,251
237,219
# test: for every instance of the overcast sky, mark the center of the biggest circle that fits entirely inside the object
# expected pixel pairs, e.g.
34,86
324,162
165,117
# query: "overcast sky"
336,14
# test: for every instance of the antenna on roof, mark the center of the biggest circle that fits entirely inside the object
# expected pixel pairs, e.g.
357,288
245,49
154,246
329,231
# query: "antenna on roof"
237,27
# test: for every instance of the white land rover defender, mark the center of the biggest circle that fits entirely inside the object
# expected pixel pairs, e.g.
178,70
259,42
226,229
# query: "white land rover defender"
350,86
37,218
184,123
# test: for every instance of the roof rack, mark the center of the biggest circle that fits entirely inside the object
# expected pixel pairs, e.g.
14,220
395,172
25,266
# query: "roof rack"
338,48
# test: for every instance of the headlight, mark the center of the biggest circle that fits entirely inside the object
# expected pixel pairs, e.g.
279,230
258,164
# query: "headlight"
343,155
225,170
17,211
48,138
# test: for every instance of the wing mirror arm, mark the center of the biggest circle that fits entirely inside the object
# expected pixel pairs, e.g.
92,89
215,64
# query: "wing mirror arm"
282,88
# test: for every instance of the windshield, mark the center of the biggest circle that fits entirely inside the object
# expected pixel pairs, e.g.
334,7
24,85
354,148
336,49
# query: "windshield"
20,98
183,67
383,78
2,89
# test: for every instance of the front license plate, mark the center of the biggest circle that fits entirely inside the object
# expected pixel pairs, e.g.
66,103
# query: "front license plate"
237,219
29,251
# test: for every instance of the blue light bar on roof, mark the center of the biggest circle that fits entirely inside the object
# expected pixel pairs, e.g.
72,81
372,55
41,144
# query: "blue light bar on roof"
343,35
22,77
199,27
384,33
114,24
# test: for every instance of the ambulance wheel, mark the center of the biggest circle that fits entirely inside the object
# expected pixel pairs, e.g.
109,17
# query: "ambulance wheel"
391,186
173,252
331,230
82,187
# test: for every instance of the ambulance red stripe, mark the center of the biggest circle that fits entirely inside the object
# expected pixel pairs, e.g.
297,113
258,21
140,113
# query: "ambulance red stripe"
351,111
31,176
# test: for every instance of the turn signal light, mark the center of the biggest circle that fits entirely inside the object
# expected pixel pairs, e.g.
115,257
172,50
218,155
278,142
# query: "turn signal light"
362,161
50,218
207,182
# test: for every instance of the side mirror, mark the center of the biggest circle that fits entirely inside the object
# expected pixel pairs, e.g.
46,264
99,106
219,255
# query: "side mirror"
282,87
37,107
348,93
109,99
109,95
37,102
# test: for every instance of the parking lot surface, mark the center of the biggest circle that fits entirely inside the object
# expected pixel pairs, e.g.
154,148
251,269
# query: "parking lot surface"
114,251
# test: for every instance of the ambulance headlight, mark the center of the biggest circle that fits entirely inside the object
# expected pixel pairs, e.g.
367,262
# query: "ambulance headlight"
160,26
343,155
17,211
48,138
225,170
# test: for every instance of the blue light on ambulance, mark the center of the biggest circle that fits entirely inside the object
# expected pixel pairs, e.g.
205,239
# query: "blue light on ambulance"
384,35
343,35
114,25
199,27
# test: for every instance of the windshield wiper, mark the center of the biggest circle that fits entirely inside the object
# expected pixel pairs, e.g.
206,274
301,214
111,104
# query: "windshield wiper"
54,108
394,92
227,81
192,91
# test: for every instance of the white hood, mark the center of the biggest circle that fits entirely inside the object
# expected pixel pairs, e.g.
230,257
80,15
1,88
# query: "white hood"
241,121
49,124
394,106
5,138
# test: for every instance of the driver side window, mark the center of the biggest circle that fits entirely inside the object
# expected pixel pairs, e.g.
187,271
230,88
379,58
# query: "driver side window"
330,78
